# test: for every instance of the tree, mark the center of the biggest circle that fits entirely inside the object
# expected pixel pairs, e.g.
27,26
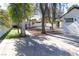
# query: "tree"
54,6
43,10
18,13
27,12
4,18
59,14
73,6
48,11
15,13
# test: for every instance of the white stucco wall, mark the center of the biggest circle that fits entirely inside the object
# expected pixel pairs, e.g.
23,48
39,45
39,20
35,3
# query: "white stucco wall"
71,28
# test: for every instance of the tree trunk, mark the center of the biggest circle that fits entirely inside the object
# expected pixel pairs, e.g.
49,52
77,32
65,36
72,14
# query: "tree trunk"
43,10
52,26
18,28
58,24
23,29
43,25
29,24
48,11
53,14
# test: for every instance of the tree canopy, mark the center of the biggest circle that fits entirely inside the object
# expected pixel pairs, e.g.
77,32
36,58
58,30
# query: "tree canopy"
73,6
19,11
4,18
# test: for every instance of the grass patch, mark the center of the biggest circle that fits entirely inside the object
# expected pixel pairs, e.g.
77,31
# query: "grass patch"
13,33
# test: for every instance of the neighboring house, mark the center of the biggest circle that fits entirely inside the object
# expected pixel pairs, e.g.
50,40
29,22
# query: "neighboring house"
71,21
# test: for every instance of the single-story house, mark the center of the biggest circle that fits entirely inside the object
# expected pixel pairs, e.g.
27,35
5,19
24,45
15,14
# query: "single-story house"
71,21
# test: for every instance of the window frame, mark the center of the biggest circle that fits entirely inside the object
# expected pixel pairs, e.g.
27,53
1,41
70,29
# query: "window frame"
69,20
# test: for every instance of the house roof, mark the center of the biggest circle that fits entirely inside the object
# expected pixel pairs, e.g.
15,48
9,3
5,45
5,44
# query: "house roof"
75,7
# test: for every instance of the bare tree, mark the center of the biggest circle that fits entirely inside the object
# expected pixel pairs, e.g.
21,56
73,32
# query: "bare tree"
54,5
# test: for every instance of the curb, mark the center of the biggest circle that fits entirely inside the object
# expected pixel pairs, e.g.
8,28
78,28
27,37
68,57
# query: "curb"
4,35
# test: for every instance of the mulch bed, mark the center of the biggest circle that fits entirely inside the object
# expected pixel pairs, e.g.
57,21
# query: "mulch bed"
37,32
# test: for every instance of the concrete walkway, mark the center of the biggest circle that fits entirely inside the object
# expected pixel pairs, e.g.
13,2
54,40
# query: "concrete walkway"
42,45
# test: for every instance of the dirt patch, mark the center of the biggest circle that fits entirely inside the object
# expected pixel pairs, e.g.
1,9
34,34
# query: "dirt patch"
35,32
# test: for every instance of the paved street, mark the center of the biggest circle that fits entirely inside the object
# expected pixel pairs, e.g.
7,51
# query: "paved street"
41,45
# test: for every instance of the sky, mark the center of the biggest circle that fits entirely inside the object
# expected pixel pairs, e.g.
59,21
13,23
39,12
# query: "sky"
69,5
5,5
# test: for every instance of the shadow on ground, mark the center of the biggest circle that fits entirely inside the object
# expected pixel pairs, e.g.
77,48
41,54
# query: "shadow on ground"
29,47
73,40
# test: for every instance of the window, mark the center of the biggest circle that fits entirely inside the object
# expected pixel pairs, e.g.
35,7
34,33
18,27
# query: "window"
68,19
75,19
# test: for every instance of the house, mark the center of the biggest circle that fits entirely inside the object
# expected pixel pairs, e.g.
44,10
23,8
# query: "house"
70,21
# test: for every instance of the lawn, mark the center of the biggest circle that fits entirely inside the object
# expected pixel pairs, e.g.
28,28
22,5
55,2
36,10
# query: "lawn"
13,34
